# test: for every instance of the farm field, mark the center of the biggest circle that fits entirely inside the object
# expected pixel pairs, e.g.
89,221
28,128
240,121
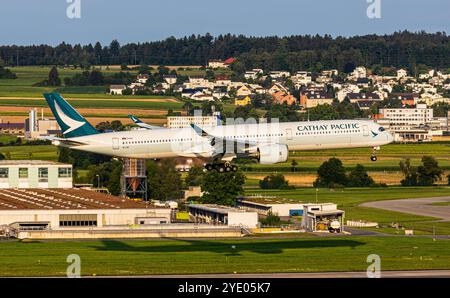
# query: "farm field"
248,255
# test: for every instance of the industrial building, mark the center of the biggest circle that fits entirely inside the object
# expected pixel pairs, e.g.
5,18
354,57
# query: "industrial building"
36,128
323,217
69,208
34,174
215,214
266,205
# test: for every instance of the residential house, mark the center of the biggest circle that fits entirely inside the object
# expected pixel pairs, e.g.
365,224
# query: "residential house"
401,73
142,78
117,89
407,99
215,63
223,81
277,87
311,99
276,74
355,97
170,79
242,100
243,91
282,97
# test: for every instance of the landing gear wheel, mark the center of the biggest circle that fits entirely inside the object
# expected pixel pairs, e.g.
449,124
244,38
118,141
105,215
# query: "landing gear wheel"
209,167
373,158
227,169
220,168
234,168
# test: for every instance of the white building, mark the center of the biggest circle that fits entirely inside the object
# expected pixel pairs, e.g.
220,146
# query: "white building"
117,89
323,217
216,214
408,124
185,121
34,174
265,207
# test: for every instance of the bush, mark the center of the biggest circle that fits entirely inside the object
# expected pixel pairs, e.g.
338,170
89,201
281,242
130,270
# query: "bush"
274,181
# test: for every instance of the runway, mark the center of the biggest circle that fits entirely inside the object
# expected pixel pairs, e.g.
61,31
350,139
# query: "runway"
420,206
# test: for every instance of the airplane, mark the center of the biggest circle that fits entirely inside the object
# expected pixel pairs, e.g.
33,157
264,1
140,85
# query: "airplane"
268,143
141,124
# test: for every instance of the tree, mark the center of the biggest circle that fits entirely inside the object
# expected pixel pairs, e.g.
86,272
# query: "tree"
429,172
195,176
409,172
6,73
271,220
331,173
274,181
53,77
323,112
358,177
294,165
109,175
164,181
222,188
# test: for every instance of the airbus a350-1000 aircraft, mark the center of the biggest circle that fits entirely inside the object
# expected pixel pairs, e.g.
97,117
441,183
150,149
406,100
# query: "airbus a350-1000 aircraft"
266,142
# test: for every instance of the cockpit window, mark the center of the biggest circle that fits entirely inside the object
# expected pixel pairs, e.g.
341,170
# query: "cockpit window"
381,129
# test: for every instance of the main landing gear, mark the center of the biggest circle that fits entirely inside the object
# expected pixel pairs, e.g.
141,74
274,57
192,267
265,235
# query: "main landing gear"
221,167
373,157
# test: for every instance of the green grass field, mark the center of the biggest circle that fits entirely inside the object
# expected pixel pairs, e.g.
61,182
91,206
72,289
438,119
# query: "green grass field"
27,76
44,152
249,255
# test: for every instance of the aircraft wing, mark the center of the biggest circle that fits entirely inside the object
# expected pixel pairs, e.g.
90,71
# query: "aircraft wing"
139,123
219,143
62,141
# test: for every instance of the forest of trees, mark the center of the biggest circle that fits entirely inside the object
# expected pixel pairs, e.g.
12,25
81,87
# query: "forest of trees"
306,52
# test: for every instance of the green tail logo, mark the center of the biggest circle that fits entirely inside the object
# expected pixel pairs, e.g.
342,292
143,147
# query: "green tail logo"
71,122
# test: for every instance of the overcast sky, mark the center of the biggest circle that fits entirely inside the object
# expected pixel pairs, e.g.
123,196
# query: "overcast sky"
45,21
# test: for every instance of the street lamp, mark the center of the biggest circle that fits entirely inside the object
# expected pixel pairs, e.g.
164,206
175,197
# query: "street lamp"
98,180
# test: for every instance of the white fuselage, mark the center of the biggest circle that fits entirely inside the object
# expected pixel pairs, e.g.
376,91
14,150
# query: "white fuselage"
174,142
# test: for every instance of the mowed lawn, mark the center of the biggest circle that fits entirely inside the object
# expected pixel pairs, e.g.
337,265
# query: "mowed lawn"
248,255
44,152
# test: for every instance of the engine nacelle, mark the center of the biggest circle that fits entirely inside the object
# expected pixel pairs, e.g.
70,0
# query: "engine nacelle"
271,154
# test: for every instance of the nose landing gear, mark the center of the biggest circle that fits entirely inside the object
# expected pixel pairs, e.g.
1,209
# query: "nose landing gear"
373,157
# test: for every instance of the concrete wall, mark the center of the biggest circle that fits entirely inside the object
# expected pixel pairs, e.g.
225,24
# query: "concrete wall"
245,219
105,217
283,209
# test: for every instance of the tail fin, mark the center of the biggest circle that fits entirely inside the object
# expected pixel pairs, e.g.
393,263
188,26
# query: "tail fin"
71,122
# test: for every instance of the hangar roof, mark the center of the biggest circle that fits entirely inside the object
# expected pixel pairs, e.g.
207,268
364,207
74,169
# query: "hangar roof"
29,162
63,199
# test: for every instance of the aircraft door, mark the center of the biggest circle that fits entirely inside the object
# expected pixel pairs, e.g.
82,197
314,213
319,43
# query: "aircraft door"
365,131
288,134
115,143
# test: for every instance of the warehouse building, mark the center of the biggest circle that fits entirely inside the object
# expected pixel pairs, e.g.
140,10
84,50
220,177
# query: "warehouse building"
265,206
50,209
34,174
323,217
216,214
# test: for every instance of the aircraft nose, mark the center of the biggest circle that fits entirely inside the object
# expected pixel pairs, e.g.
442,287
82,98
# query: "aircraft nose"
390,137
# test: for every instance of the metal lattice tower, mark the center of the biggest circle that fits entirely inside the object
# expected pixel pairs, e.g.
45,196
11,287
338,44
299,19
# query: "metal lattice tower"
134,178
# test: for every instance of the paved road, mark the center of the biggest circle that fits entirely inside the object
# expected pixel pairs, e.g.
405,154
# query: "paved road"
420,206
389,274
